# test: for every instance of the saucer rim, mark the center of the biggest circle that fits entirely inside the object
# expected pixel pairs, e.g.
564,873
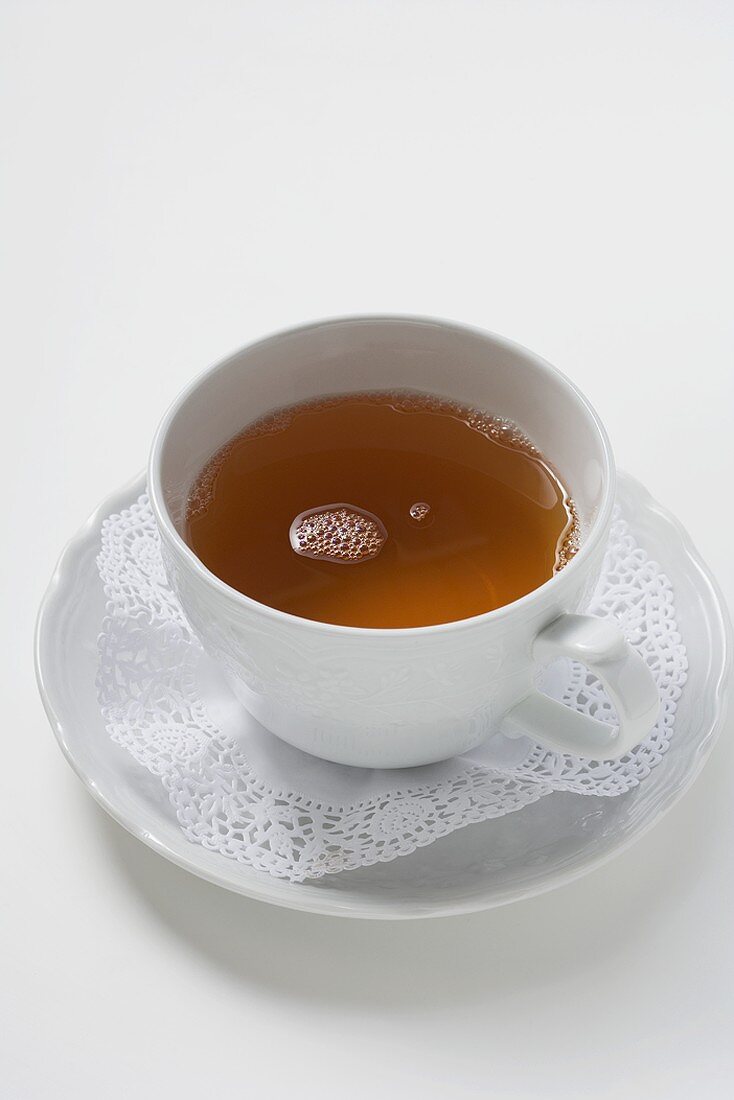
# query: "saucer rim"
307,897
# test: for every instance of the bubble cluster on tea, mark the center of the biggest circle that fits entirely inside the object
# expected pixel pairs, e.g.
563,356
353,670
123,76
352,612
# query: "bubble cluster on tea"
382,510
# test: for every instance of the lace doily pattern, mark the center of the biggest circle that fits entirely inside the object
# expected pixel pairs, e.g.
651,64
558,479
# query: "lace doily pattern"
148,690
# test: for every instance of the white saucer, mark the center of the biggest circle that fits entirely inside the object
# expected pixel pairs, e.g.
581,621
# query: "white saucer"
549,843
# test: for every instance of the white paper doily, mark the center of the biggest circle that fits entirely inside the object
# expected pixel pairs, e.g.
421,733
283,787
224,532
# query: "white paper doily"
256,800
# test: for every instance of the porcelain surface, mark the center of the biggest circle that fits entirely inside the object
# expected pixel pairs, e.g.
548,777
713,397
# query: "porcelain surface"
401,698
549,843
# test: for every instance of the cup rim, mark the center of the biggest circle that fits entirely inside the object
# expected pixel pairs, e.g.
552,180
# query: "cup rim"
556,583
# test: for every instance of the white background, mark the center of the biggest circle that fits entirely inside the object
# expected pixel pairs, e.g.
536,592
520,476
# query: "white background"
180,178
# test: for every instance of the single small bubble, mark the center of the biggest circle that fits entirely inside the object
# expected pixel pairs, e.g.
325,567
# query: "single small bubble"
419,510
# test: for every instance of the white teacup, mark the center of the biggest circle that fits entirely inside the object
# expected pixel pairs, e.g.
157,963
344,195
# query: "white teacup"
395,698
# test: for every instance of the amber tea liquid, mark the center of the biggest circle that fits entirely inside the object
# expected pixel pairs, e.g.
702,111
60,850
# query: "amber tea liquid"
381,510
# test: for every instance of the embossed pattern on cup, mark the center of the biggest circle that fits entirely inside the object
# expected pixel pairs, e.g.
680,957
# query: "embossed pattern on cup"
380,698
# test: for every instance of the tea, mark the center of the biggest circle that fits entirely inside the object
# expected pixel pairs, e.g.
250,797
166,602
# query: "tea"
381,510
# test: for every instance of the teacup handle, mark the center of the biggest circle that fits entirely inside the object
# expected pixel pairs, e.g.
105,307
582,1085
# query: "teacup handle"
600,646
